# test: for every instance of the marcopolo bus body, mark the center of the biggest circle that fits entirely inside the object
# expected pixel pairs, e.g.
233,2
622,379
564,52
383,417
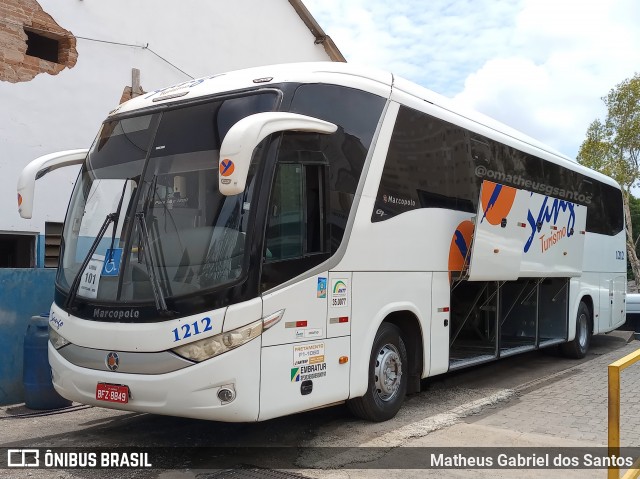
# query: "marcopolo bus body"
274,240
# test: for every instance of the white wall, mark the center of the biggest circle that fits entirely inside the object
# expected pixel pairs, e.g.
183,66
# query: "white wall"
201,37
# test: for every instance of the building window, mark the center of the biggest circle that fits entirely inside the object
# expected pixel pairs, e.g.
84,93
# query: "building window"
44,47
52,239
17,250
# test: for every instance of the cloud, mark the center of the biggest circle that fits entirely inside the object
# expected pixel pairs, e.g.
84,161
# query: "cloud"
436,43
568,55
540,66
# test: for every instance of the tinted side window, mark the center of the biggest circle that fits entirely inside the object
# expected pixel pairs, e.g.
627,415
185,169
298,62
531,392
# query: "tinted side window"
122,142
203,127
435,164
297,230
597,221
428,166
612,205
286,218
357,114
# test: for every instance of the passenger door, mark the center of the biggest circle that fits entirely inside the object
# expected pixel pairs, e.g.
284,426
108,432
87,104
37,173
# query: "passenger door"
296,236
300,368
295,242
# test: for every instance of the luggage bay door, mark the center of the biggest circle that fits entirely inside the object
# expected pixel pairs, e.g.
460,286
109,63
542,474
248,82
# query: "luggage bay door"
500,233
555,233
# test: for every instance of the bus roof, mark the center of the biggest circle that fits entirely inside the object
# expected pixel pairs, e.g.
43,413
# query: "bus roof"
312,72
350,75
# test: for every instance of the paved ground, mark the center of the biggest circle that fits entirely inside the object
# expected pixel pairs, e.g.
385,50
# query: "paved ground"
570,409
534,400
573,405
564,409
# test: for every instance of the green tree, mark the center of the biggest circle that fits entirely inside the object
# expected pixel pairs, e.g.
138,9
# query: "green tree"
613,148
634,210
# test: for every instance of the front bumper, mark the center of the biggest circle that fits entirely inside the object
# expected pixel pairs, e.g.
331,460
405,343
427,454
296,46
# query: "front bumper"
189,392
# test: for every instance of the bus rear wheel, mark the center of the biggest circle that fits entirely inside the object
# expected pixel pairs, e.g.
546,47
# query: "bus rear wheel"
388,368
577,349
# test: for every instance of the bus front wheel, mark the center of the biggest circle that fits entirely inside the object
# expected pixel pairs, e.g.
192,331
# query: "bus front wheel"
578,348
388,368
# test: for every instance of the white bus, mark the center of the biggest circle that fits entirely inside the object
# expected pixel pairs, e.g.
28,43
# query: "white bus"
274,240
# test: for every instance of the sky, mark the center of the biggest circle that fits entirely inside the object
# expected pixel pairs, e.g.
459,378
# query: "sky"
540,66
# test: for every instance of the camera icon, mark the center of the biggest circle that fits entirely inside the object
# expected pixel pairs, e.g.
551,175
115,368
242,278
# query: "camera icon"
23,458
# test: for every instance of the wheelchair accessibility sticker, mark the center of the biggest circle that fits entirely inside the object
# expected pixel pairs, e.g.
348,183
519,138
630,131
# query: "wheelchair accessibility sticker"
111,266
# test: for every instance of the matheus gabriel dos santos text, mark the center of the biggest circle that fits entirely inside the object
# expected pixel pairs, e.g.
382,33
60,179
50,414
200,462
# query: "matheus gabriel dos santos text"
530,461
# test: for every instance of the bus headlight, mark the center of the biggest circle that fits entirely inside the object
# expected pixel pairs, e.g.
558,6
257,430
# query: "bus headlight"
221,343
56,340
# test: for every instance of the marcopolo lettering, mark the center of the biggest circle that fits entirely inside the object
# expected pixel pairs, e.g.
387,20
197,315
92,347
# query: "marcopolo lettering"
115,313
399,201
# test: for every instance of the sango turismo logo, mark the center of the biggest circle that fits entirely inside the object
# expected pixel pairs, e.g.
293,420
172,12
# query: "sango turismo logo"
551,212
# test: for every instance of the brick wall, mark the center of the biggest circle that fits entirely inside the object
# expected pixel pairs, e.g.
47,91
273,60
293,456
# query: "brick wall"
128,94
15,64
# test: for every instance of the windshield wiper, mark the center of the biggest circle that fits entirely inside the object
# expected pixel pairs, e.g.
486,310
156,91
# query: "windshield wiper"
111,217
73,291
161,304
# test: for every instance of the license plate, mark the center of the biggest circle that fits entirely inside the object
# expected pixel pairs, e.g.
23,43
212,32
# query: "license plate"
112,393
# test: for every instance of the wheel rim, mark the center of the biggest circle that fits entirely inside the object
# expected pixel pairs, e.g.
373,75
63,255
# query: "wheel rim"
583,332
388,372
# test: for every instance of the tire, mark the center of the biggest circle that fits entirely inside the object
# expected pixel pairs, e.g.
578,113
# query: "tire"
388,373
577,349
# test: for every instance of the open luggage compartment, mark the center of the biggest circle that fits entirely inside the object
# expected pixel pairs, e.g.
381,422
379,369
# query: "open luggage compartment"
496,319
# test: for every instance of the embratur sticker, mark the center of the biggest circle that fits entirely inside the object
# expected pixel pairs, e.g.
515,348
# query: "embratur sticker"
305,373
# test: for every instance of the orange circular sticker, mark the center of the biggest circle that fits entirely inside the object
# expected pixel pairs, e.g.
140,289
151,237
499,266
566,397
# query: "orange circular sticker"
19,199
226,167
497,201
460,244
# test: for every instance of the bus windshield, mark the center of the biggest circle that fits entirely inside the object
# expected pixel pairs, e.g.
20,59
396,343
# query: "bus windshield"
146,220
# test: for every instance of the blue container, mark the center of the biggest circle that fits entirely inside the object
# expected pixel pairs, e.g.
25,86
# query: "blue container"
36,375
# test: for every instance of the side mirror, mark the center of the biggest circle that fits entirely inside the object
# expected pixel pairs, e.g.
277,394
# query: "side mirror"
37,169
237,147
